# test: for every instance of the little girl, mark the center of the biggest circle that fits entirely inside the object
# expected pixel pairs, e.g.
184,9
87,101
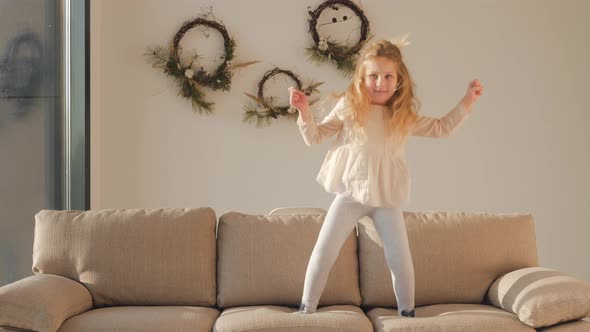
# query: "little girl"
366,168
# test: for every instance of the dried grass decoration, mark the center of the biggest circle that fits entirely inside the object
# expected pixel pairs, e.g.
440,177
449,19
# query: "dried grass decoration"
186,76
325,50
263,110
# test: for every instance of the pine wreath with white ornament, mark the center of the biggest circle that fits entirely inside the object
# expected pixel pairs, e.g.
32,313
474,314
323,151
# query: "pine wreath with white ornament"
263,110
190,80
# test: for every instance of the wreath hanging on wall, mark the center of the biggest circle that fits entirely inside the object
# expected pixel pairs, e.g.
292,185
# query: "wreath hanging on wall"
263,110
325,50
189,77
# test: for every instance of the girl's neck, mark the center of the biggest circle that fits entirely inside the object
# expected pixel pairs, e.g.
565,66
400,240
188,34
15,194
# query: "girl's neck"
376,104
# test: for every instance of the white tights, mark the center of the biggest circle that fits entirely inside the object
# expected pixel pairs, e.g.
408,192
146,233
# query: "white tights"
340,221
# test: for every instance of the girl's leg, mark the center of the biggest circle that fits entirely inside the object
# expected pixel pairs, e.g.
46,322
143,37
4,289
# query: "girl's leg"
341,218
391,227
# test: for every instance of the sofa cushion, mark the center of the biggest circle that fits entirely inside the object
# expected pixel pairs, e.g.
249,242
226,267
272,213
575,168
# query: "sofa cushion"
144,319
262,260
131,257
541,296
448,318
274,318
456,256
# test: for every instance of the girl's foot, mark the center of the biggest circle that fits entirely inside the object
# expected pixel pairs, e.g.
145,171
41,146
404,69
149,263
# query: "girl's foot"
409,313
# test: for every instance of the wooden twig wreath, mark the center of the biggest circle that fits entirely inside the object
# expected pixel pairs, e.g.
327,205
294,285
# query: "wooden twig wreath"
325,50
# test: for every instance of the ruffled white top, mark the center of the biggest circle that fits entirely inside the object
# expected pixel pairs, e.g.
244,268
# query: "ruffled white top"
371,169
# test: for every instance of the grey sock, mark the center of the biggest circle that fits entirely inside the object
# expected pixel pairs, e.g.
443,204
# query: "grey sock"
303,309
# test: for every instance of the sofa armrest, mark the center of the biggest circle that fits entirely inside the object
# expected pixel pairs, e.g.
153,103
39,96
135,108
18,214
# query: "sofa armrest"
42,302
541,296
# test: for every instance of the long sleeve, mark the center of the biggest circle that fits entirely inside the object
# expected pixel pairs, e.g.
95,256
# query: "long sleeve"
443,127
314,133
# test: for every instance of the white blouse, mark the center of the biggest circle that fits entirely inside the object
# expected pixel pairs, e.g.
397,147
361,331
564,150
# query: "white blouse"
371,170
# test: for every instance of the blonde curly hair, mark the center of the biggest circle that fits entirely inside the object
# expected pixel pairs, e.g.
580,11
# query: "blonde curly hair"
403,104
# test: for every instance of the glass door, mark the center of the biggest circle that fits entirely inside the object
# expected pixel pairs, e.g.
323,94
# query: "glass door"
39,111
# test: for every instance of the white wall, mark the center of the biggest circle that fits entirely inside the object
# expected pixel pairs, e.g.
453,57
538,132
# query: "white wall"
525,149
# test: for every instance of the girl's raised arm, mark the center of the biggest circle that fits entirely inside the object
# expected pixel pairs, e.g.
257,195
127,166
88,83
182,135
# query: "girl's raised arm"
445,126
434,127
314,133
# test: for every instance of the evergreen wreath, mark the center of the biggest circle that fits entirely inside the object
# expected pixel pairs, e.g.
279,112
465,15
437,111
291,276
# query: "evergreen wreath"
268,111
325,50
189,80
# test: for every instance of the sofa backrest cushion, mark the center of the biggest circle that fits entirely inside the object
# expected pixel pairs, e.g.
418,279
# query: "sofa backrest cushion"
262,260
131,257
456,256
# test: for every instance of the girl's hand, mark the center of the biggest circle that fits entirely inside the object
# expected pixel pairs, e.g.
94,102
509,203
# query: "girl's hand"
474,91
299,100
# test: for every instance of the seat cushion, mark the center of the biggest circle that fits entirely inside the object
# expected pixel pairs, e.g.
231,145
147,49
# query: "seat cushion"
448,318
262,260
143,319
573,326
284,319
131,257
456,256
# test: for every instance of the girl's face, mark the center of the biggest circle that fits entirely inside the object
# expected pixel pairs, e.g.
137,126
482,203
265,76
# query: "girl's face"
380,79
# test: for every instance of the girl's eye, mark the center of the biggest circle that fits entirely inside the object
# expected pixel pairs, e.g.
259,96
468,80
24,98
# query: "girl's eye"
389,76
374,76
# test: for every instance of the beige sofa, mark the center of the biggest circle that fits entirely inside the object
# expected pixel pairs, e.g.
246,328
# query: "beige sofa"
184,270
